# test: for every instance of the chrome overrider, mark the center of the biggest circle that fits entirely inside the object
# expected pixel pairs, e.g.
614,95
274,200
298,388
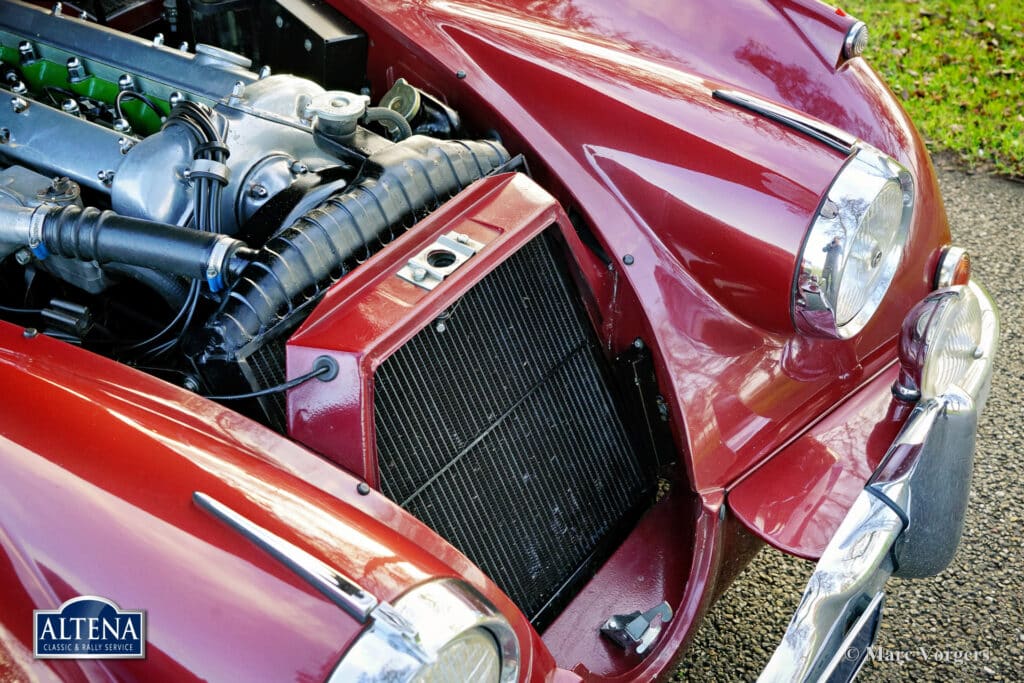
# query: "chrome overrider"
906,522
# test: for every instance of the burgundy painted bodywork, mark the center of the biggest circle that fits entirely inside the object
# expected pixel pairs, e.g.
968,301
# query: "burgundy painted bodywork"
611,103
98,463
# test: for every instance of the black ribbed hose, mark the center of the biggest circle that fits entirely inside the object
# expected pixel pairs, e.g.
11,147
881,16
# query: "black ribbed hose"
298,263
105,237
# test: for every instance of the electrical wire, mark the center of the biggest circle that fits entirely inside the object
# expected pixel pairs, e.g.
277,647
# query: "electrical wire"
132,95
21,311
187,307
323,369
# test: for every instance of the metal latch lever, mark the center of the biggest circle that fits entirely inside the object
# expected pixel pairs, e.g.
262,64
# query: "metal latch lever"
638,629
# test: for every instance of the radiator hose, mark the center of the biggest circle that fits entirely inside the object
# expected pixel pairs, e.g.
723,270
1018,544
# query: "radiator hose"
106,237
400,184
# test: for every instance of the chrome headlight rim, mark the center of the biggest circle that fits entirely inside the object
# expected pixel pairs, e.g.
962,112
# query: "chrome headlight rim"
406,638
860,183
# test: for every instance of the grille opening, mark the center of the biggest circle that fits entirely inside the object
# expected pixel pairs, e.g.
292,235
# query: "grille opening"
503,430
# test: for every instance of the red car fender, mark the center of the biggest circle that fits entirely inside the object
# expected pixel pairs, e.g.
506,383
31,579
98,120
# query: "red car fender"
612,103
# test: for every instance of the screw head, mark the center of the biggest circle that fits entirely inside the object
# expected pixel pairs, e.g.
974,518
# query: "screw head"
125,82
363,488
308,45
238,89
419,274
30,333
18,104
628,259
257,191
211,272
176,98
23,257
265,71
460,74
279,21
5,136
299,168
158,40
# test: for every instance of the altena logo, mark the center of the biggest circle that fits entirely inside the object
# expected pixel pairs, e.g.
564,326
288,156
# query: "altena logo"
89,627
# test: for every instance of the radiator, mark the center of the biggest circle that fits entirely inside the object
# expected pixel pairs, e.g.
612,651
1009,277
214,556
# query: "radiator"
497,426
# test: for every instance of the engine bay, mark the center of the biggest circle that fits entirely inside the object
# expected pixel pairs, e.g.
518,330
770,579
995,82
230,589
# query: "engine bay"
220,223
172,208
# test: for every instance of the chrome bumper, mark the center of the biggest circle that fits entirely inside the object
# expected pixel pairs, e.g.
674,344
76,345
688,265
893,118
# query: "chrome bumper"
906,522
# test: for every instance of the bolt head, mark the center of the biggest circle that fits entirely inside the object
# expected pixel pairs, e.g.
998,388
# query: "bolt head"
23,257
211,272
307,44
19,104
419,274
30,333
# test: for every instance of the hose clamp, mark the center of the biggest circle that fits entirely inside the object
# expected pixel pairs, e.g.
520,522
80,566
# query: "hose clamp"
217,263
35,231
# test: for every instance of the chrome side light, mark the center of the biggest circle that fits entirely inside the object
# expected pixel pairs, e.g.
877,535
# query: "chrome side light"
941,339
856,40
854,246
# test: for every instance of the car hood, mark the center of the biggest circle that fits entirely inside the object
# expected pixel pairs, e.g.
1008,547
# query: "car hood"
98,464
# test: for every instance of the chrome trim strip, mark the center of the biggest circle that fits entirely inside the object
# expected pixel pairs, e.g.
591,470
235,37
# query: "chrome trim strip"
338,588
836,138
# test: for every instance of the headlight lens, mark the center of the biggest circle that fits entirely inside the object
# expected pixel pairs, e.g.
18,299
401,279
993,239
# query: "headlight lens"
854,246
439,631
472,656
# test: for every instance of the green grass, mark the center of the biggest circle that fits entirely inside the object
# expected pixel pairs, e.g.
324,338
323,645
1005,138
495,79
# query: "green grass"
959,69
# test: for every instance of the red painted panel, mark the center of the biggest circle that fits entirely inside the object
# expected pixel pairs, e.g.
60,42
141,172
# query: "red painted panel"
797,499
98,463
611,102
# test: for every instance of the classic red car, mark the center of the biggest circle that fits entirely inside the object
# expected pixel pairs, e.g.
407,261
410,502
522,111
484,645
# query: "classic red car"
463,340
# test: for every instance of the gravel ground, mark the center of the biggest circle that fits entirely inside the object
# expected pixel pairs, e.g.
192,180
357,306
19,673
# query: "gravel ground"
967,624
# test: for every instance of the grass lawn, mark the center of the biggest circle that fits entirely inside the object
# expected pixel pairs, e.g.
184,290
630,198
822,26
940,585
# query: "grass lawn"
959,69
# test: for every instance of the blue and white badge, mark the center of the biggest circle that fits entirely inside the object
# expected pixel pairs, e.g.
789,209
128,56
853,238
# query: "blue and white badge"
89,627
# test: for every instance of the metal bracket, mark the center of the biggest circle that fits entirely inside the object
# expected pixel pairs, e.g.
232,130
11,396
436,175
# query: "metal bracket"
638,629
431,266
